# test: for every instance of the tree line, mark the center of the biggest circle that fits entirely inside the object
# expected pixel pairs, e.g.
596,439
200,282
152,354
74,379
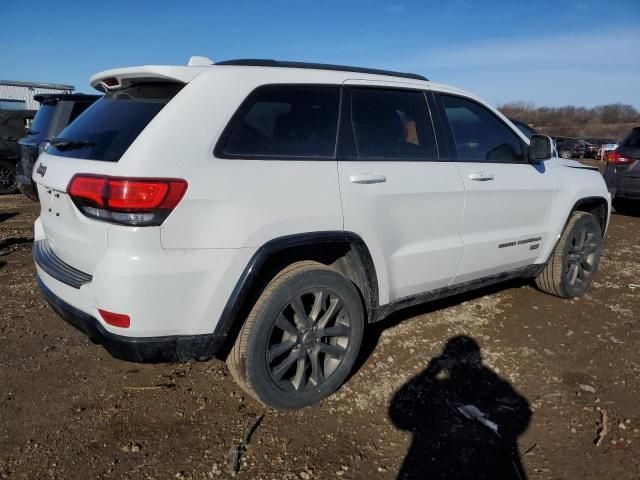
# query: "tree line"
606,121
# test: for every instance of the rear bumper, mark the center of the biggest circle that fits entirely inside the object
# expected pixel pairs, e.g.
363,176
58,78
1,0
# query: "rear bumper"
621,186
179,348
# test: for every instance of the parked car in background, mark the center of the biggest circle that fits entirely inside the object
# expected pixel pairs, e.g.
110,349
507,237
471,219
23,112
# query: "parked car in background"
597,141
55,113
569,147
622,172
305,202
590,149
13,126
609,145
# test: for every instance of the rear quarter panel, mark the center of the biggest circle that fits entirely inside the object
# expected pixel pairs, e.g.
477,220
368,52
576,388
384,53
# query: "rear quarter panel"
230,203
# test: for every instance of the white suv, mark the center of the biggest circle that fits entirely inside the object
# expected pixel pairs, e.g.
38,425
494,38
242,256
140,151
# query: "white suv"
265,211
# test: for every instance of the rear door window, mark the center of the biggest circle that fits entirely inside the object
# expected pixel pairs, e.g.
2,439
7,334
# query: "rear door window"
285,121
479,134
392,124
106,129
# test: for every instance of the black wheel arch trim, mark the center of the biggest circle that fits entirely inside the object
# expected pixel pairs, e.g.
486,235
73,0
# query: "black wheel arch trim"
576,207
591,200
250,275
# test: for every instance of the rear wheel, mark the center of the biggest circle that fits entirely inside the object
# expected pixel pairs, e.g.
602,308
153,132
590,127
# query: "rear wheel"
575,259
8,177
301,339
565,154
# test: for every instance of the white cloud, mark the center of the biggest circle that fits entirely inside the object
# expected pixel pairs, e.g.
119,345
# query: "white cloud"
587,51
581,69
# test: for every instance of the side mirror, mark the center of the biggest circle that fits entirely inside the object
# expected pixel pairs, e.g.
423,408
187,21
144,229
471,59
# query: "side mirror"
540,148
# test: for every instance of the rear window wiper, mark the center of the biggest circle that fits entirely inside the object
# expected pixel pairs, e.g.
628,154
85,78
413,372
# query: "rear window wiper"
70,143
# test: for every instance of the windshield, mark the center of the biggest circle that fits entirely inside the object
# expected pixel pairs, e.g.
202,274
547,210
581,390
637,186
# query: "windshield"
107,128
524,128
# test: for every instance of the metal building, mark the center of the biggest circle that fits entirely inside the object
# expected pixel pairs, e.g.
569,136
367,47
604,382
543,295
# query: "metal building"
19,95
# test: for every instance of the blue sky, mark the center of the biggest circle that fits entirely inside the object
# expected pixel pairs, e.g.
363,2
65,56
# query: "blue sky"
554,53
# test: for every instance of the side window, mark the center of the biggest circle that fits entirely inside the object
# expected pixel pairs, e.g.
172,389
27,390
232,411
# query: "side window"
392,124
286,121
479,134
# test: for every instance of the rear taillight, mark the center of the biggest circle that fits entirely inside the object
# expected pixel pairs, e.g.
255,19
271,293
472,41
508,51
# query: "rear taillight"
126,201
615,157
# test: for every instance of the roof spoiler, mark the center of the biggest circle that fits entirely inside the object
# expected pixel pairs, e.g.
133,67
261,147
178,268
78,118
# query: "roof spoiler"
119,78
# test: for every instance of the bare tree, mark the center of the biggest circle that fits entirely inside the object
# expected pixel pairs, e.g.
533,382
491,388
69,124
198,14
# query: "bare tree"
608,121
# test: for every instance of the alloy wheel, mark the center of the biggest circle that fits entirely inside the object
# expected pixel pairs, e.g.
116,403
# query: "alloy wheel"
581,256
309,340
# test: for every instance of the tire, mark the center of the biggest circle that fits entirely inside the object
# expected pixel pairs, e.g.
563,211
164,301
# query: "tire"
301,339
566,154
575,260
8,182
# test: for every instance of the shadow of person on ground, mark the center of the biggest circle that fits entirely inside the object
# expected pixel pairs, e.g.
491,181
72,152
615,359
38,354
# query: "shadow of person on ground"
442,408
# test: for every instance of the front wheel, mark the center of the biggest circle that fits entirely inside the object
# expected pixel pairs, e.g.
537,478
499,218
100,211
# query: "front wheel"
575,260
566,154
8,177
301,339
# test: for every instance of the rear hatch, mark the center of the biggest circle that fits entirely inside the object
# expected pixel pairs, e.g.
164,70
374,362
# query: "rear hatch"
92,144
629,150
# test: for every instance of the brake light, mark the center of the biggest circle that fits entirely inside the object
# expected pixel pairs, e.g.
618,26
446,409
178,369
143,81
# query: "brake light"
126,201
116,319
615,157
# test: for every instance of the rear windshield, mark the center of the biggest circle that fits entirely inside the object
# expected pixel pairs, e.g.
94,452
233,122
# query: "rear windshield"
41,122
107,128
633,139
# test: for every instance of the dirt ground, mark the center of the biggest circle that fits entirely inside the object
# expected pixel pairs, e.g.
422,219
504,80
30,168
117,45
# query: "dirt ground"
559,378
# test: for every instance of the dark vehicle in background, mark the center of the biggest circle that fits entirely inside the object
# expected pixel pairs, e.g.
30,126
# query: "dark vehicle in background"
55,113
590,149
622,172
599,142
13,126
569,147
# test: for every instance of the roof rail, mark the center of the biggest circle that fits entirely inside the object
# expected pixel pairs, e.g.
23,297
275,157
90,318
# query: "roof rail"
251,62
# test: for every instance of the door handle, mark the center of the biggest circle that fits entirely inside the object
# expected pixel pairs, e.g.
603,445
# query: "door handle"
481,176
367,178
